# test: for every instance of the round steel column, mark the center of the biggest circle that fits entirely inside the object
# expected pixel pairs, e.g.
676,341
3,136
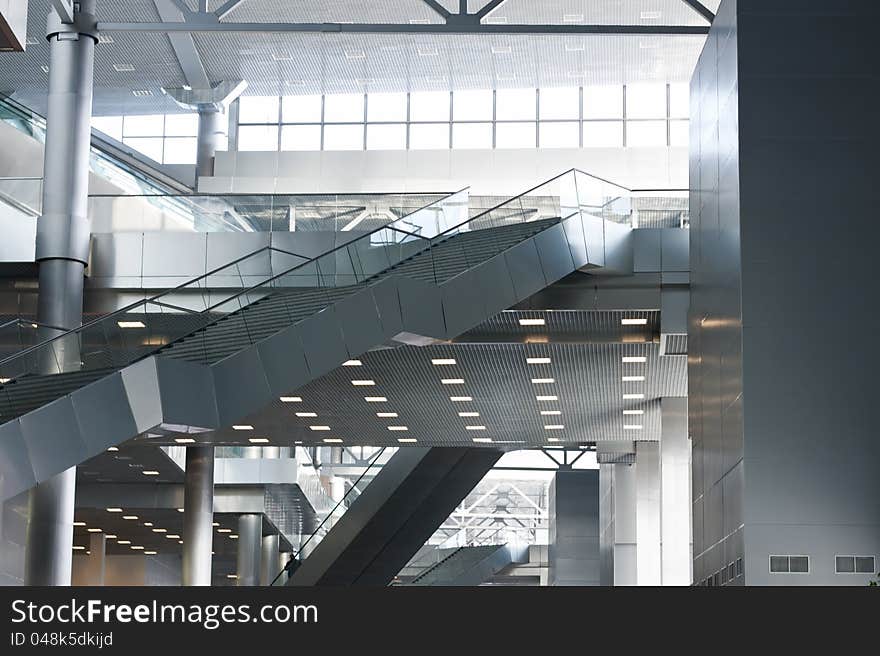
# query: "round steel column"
198,515
269,561
250,547
49,552
210,134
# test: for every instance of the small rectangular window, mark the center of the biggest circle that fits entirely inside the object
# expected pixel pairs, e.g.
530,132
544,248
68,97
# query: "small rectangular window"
515,104
149,146
844,564
182,125
646,101
865,564
301,109
180,150
645,133
603,102
386,107
344,108
779,565
472,105
679,133
344,137
429,106
603,134
258,109
739,567
559,135
301,137
152,125
429,136
799,564
562,103
258,137
731,571
109,125
386,137
471,135
515,135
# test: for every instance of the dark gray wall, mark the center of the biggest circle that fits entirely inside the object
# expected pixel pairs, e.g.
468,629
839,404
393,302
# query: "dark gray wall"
574,528
784,139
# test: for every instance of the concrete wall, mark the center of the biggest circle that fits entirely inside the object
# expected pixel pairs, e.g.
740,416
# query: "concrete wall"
783,165
574,528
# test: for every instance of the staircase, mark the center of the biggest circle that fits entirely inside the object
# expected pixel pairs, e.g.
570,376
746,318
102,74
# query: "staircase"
216,365
470,566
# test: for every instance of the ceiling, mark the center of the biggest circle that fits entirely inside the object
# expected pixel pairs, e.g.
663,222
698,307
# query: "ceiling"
291,64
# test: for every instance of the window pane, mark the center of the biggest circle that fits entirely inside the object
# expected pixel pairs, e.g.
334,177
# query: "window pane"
603,102
645,133
779,564
109,125
301,137
386,137
471,135
799,564
344,137
151,147
646,101
560,103
180,150
301,109
679,101
386,107
844,564
603,134
144,126
559,135
258,137
429,136
344,108
679,133
515,104
258,109
429,106
472,105
181,125
865,564
515,135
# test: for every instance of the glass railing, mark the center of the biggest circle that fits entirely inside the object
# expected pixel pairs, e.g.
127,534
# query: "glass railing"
122,337
661,208
22,194
253,212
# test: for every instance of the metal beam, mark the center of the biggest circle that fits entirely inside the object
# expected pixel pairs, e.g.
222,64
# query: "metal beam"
64,9
390,28
227,8
489,8
701,9
183,45
436,6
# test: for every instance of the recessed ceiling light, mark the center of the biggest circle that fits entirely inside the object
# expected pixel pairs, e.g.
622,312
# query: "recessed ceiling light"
148,523
129,517
160,530
110,536
290,399
233,537
375,399
460,398
319,428
389,415
537,360
224,530
306,414
150,472
242,427
172,536
137,547
553,439
501,50
633,379
333,440
184,440
650,15
554,427
633,322
406,440
452,381
3,381
232,576
442,361
93,530
633,359
130,324
258,440
633,427
113,448
149,553
355,54
181,542
551,413
363,383
468,414
475,428
180,510
531,322
79,523
543,381
352,363
428,52
547,398
77,547
398,428
215,523
123,542
123,68
114,510
633,397
633,412
572,18
482,440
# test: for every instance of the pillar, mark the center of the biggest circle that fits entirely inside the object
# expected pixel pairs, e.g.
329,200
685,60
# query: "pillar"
62,248
675,493
250,547
624,500
198,515
96,558
211,132
648,568
269,560
573,551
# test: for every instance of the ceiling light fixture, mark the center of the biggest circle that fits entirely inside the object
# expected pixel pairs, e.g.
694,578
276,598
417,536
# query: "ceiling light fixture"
160,530
319,428
123,542
184,440
543,381
113,448
634,359
352,363
633,427
475,428
363,383
532,322
553,439
460,398
482,440
537,360
633,322
438,362
332,440
150,472
258,440
398,428
633,379
114,510
546,398
93,530
551,413
130,324
290,399
388,415
468,414
633,397
130,517
306,414
452,381
633,412
242,427
375,399
406,440
554,427
79,523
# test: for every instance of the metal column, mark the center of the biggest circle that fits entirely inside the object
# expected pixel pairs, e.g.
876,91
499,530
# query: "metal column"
675,493
62,249
250,547
648,558
198,515
211,121
269,562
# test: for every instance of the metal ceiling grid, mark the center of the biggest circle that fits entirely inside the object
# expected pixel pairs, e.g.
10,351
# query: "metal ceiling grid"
128,465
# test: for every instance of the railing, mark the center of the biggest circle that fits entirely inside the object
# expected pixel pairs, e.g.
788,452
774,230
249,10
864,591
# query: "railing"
23,194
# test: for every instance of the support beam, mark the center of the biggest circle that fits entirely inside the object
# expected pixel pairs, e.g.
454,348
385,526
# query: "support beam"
250,550
701,9
436,6
183,45
391,28
198,515
64,9
227,8
270,564
489,8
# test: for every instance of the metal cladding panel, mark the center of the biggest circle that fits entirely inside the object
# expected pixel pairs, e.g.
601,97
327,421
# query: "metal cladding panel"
388,303
16,472
554,253
647,250
322,342
284,361
104,414
594,233
577,241
495,285
675,249
619,241
421,308
360,321
463,306
240,384
187,393
525,270
53,439
141,381
162,255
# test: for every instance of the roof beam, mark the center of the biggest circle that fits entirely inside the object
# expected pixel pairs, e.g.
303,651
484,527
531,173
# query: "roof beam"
390,28
701,9
489,8
64,9
227,8
436,6
183,45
